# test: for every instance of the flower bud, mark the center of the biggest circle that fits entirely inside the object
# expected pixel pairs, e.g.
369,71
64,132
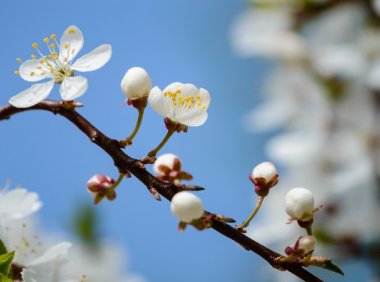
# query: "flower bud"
264,176
99,186
136,83
306,243
186,207
303,246
299,204
168,167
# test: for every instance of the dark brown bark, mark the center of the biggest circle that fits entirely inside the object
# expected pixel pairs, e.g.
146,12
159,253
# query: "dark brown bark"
125,163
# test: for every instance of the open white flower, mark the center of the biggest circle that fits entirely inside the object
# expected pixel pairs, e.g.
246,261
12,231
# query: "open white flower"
59,68
18,203
182,103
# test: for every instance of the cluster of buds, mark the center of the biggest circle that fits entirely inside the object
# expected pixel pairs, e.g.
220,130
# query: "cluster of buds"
101,186
168,167
264,176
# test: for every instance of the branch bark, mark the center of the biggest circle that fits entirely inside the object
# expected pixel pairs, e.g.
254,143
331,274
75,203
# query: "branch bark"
125,163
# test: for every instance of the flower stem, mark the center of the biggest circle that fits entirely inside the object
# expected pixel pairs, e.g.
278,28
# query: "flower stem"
117,182
128,141
252,215
309,231
154,152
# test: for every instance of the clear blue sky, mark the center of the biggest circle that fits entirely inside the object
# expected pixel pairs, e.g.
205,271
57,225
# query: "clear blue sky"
186,41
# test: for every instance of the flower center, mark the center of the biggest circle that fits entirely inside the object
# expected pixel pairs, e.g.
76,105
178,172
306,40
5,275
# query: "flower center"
181,103
57,67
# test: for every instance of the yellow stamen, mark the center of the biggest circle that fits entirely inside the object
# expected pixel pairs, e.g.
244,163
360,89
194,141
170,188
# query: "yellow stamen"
35,45
46,40
53,36
52,46
17,72
33,56
198,97
71,30
18,60
66,45
32,73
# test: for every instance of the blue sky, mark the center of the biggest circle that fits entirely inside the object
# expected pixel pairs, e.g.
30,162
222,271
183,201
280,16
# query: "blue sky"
186,41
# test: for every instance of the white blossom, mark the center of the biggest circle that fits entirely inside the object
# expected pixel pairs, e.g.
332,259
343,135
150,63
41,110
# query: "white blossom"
306,243
60,68
182,103
165,163
299,204
186,206
266,170
136,83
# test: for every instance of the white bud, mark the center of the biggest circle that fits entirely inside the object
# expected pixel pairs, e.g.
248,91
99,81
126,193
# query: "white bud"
265,170
306,243
136,83
186,206
166,163
299,204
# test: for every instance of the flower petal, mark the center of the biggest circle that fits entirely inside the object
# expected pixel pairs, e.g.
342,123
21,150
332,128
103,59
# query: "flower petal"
71,43
93,60
158,102
197,117
33,70
73,87
33,95
18,203
205,97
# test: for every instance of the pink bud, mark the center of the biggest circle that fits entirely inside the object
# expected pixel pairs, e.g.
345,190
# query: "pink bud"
99,187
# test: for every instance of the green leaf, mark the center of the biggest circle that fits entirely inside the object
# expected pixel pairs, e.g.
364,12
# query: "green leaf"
4,278
6,263
333,267
3,249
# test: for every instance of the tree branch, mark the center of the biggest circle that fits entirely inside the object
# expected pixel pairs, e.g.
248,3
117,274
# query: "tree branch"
125,163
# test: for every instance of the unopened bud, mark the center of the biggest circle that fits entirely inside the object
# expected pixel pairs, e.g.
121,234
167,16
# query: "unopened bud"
299,204
264,176
186,207
303,246
168,167
136,83
100,186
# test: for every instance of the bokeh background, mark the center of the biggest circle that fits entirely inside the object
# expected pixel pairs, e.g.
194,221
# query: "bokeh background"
186,41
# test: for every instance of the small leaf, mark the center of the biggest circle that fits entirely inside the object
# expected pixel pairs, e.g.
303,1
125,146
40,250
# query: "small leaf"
333,267
6,263
3,249
4,278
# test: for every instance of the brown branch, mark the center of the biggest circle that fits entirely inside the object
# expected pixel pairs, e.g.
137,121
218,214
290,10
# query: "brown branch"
126,163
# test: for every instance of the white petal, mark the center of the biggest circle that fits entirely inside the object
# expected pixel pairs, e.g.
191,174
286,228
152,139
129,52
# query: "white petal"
205,97
93,60
158,102
32,96
192,118
18,203
48,266
33,70
58,251
71,43
73,87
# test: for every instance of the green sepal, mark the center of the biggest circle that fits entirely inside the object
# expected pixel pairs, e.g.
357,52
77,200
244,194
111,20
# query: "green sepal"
6,263
329,265
4,278
3,249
